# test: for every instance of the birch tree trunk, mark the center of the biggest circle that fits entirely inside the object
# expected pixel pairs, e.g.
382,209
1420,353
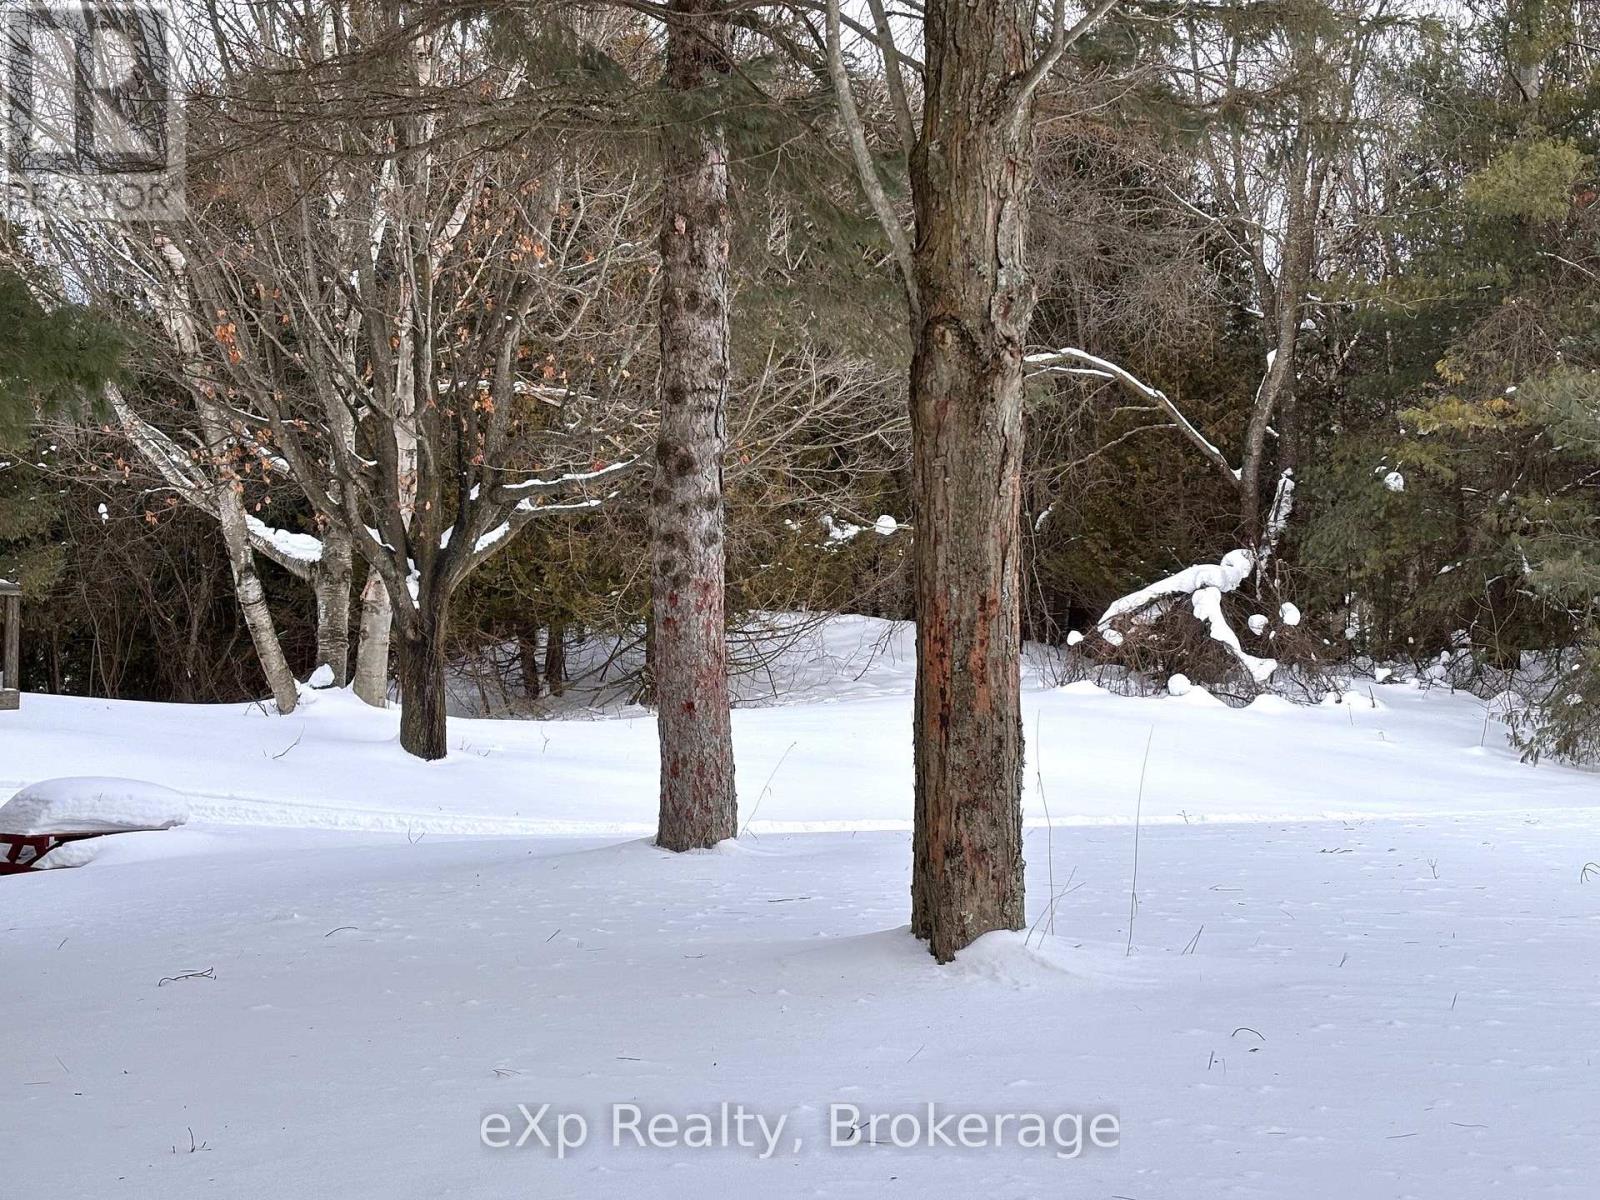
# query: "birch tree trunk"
330,583
969,175
171,298
246,582
377,605
372,652
698,804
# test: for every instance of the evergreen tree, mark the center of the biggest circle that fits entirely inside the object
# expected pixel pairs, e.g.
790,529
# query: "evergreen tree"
53,361
1458,508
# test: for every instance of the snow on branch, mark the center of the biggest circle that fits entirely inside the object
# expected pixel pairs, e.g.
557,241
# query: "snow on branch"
158,449
513,505
546,393
1090,364
1204,585
282,546
562,483
295,552
1207,605
1150,602
528,508
521,513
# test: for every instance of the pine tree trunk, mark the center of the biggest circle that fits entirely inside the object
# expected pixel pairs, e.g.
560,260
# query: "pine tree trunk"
422,691
330,581
970,176
698,803
372,652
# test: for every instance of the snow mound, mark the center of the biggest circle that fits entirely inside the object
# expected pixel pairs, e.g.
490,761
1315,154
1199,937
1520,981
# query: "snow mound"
1082,687
1014,959
1268,702
70,854
1195,696
92,804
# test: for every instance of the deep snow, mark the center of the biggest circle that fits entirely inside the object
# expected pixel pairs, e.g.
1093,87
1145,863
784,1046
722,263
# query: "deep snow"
1364,962
838,759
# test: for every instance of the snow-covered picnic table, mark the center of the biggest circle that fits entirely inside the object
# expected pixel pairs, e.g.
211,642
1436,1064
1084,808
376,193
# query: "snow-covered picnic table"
56,812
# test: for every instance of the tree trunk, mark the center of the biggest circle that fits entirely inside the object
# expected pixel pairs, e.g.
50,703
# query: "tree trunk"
1253,462
372,654
330,581
422,715
969,175
263,632
377,605
698,804
528,662
1276,396
555,658
246,582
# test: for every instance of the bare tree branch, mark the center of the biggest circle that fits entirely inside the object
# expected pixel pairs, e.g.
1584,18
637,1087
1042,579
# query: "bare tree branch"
871,184
1138,388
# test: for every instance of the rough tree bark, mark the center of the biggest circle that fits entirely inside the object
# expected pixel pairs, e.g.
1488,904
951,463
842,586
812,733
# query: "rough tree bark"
422,691
969,173
528,662
698,804
555,659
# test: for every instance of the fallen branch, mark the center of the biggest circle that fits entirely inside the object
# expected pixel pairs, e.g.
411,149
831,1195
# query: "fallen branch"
208,973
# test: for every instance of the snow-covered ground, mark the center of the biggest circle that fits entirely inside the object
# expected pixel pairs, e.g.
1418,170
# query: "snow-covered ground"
1364,962
836,760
